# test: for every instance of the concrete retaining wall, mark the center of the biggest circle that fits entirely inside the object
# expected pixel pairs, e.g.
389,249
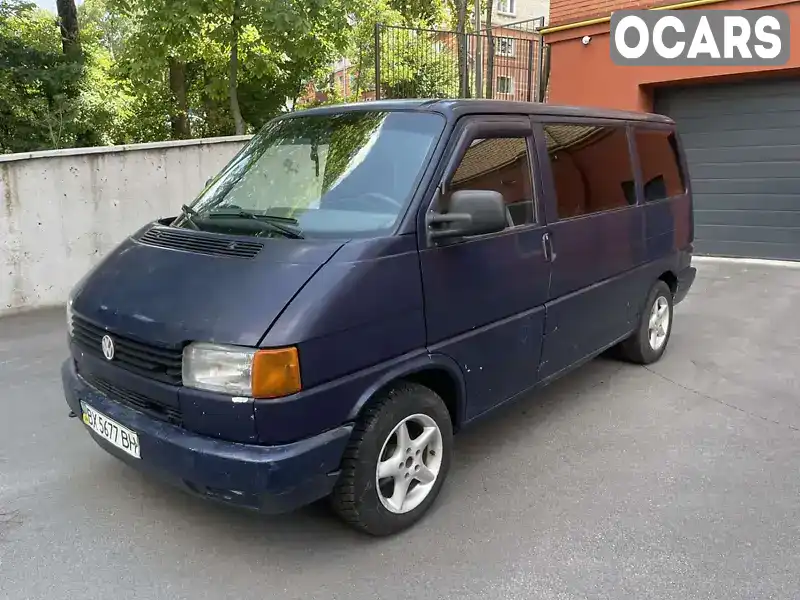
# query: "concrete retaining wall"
61,211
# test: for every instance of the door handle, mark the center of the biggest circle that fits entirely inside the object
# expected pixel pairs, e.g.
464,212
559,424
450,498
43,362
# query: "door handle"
547,246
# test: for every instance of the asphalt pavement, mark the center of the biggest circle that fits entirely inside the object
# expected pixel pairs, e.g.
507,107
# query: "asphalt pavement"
680,480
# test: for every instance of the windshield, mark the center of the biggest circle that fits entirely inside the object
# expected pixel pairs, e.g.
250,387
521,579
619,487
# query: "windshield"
348,174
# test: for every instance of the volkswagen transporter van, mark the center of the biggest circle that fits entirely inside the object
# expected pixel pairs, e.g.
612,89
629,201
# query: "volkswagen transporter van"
362,281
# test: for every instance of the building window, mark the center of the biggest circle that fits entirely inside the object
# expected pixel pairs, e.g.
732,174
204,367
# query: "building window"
504,46
505,85
502,165
591,168
506,7
661,171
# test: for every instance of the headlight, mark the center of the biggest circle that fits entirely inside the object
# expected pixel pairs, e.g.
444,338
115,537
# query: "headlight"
240,371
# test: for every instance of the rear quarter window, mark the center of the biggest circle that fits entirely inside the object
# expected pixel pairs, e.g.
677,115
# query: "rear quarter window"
658,156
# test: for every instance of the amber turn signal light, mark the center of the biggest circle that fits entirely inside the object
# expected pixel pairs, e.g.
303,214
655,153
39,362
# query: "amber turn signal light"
276,373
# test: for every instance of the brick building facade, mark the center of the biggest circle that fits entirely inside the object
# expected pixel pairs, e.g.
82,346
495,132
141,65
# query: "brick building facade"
584,73
740,125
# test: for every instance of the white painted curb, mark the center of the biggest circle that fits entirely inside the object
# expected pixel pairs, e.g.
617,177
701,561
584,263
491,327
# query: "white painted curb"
789,264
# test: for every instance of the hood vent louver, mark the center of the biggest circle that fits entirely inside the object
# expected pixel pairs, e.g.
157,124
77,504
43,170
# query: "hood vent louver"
199,243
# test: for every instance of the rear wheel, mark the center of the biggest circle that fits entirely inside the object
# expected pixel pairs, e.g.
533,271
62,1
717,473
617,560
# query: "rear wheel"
649,342
396,462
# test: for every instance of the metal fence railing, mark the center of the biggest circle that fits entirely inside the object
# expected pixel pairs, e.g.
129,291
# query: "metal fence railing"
504,62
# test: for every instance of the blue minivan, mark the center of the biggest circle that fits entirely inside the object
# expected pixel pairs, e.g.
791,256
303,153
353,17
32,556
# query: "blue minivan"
362,281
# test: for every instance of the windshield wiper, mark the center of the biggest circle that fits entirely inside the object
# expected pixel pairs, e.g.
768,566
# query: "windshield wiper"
188,214
268,220
279,219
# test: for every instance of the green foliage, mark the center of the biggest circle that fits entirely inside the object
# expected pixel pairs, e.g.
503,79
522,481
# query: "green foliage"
106,112
48,100
280,46
422,12
350,135
421,76
145,61
37,84
413,61
420,65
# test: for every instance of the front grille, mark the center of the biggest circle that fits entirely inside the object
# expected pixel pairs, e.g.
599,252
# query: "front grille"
199,243
154,362
136,401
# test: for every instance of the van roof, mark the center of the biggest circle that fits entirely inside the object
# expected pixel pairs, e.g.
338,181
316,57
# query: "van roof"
466,106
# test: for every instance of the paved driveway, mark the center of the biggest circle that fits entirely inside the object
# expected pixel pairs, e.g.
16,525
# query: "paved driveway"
677,481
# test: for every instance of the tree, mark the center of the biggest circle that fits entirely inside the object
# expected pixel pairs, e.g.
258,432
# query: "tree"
48,99
362,42
427,13
165,37
123,71
422,68
100,26
233,71
70,30
263,50
283,43
37,81
414,59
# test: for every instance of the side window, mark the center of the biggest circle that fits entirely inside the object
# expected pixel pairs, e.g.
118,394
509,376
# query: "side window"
661,171
502,165
591,166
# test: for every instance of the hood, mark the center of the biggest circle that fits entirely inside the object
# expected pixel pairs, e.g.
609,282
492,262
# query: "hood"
171,286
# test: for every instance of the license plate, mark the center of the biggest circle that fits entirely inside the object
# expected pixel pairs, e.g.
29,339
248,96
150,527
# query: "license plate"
122,437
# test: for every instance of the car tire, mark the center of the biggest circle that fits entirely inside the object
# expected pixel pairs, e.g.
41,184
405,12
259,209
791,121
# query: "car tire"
649,342
373,504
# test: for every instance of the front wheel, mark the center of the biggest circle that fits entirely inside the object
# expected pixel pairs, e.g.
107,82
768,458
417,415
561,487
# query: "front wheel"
649,341
396,462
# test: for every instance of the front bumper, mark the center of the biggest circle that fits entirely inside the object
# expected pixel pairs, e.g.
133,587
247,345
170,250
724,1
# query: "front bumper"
270,479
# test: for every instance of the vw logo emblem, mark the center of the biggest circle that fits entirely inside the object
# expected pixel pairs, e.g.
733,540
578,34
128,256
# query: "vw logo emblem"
108,347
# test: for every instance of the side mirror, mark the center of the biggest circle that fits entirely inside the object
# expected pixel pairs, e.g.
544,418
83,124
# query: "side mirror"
208,181
471,212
